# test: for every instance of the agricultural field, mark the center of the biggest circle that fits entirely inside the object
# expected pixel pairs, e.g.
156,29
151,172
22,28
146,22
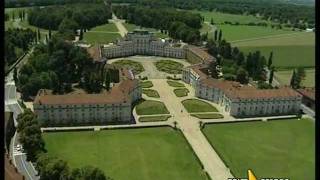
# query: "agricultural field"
168,66
289,151
150,107
195,105
136,67
141,154
284,77
296,50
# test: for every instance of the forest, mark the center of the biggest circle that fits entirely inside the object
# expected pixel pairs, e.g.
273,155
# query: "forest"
71,16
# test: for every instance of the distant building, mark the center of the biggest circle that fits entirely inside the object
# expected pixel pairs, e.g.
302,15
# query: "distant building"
241,100
308,97
141,42
114,106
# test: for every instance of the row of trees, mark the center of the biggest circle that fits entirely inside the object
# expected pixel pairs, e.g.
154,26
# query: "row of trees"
69,17
179,24
298,75
16,43
48,167
280,12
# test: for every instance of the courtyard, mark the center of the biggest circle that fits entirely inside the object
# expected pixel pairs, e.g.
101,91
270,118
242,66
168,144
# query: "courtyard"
141,154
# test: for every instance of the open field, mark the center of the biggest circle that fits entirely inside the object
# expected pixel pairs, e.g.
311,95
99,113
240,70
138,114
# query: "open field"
141,154
219,17
195,105
136,67
150,107
110,27
154,118
100,37
284,77
240,32
282,148
146,84
208,116
181,92
151,93
169,66
288,50
175,83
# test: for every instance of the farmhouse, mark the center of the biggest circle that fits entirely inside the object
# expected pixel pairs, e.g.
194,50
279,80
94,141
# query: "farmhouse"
241,100
112,106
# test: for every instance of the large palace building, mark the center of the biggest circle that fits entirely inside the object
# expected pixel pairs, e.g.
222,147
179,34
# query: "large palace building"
112,106
241,100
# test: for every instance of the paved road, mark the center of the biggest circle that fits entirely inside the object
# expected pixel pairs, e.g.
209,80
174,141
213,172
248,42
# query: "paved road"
19,159
122,30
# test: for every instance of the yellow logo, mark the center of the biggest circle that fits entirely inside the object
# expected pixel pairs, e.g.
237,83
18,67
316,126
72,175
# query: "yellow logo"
251,176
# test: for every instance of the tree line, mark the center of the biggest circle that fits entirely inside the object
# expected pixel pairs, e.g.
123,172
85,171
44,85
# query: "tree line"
27,3
182,25
49,167
16,42
70,17
298,16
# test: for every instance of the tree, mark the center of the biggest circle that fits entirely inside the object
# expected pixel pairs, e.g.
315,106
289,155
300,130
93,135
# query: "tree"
107,80
211,21
220,35
271,75
81,35
295,80
39,35
15,75
242,76
270,59
240,59
50,33
50,168
88,173
215,35
301,73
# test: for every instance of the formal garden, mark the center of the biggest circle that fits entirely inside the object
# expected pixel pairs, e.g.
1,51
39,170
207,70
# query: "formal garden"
181,92
136,67
154,118
149,107
196,106
169,66
151,93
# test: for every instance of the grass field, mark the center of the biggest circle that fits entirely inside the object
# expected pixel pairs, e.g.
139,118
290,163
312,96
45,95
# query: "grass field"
110,27
284,77
146,84
100,37
150,107
195,105
282,148
151,93
219,17
208,116
175,84
241,32
288,50
136,67
137,154
181,92
169,66
154,118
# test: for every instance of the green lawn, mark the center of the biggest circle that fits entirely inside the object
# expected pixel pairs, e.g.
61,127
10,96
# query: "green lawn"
208,116
154,118
110,27
150,107
169,66
241,32
151,93
175,83
195,105
282,148
100,37
219,17
181,92
135,154
136,67
284,77
146,84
